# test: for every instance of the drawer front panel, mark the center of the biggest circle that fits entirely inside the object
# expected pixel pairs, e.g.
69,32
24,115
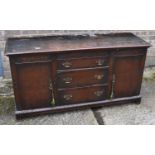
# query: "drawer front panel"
82,63
32,58
83,54
82,78
87,94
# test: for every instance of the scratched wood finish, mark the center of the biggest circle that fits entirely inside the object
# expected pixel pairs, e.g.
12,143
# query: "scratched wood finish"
60,73
69,43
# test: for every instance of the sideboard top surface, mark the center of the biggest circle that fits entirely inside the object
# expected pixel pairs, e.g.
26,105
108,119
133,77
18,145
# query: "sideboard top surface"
72,43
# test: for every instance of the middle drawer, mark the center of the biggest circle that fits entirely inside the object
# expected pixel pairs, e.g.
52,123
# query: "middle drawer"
82,77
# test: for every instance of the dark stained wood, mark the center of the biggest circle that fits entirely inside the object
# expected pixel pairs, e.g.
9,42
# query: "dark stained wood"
29,113
33,86
31,58
82,77
82,54
127,83
82,63
84,94
55,74
128,70
73,43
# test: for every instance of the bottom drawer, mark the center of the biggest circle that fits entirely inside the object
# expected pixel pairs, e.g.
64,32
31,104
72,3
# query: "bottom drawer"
78,95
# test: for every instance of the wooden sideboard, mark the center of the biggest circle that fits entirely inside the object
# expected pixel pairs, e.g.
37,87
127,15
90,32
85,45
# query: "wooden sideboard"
61,73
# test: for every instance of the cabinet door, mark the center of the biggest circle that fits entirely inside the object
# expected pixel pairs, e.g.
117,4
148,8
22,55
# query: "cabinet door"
127,74
32,85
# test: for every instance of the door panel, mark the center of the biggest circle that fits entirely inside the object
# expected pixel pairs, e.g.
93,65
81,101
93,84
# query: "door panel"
33,83
127,72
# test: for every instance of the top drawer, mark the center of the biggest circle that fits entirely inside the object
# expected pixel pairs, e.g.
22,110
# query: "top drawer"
31,58
83,62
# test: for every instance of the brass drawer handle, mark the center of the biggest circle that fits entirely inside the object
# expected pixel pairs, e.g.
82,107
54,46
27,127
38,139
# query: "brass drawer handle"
68,97
99,76
100,62
67,80
67,64
99,93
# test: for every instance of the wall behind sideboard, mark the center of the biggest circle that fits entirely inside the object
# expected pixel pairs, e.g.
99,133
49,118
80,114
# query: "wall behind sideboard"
147,35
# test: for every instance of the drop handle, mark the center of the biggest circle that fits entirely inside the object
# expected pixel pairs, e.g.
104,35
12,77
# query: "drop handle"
68,97
100,62
67,80
67,64
99,76
99,93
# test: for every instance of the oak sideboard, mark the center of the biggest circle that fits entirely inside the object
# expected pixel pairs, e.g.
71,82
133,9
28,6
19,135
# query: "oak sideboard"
60,73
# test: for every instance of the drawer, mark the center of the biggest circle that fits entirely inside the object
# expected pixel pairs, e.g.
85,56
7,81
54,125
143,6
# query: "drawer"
76,78
87,94
82,63
32,58
83,54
